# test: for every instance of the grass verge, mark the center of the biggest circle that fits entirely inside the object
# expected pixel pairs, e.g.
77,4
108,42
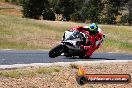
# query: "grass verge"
23,33
29,72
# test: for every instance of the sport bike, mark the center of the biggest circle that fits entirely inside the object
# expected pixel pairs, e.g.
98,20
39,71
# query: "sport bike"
70,45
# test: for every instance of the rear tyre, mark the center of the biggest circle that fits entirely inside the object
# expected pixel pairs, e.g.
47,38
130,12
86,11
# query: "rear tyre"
56,51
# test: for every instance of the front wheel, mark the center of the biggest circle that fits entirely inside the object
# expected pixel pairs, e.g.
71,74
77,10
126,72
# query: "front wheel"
56,51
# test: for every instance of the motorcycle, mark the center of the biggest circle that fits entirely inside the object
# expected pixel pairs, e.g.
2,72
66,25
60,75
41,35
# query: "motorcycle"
70,45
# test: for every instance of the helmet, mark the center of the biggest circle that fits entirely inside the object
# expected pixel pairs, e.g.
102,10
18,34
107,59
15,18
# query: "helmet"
93,27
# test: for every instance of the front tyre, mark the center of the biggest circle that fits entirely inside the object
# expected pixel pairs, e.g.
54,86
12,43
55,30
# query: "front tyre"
56,51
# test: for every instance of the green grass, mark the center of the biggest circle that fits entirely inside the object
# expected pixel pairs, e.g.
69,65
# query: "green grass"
29,72
15,45
24,33
27,32
47,70
117,44
118,39
74,66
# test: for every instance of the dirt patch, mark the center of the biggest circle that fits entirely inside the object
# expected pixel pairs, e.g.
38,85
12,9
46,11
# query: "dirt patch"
13,12
66,77
10,9
8,5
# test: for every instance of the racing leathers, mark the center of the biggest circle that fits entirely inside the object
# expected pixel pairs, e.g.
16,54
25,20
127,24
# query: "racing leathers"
93,40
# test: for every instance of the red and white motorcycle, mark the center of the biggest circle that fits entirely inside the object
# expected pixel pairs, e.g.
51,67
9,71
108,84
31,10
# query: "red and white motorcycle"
70,45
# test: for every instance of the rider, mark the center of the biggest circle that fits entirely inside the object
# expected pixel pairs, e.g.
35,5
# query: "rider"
93,39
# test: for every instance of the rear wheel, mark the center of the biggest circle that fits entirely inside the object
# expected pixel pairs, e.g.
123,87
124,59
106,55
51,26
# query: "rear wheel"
56,51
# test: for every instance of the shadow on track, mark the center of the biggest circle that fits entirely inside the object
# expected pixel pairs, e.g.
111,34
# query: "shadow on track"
89,59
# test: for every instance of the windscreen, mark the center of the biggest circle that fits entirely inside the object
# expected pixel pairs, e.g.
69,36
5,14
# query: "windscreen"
71,35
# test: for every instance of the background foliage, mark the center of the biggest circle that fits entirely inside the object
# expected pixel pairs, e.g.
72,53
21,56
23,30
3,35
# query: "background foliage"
100,11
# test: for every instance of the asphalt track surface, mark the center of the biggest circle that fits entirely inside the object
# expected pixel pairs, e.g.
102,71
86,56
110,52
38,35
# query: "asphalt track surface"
9,57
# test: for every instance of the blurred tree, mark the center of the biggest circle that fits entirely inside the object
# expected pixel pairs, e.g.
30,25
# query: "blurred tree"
64,7
36,8
124,19
78,4
113,9
130,12
99,11
91,10
76,17
48,15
